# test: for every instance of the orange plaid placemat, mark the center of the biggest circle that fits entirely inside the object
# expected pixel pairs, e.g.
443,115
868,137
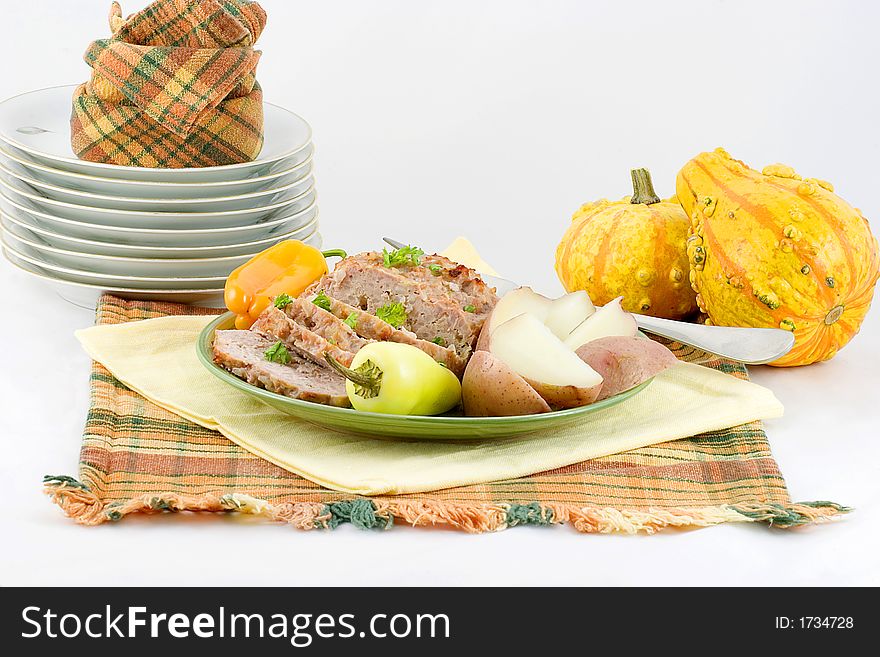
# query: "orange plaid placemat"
139,458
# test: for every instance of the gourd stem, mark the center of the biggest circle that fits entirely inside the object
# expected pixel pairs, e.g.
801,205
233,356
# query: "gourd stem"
369,382
332,253
643,188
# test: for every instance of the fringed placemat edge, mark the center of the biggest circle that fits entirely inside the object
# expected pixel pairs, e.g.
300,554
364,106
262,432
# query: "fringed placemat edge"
85,507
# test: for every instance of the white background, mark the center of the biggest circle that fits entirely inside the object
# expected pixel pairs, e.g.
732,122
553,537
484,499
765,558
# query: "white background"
495,120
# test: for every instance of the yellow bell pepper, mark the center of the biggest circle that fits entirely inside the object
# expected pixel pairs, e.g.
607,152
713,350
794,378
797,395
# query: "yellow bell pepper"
288,267
397,378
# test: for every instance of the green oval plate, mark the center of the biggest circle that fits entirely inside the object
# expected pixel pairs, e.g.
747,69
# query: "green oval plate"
413,427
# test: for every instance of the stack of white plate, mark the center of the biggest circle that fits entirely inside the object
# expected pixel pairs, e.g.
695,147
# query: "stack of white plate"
174,234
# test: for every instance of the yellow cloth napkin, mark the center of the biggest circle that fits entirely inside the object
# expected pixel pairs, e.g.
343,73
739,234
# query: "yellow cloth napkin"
157,358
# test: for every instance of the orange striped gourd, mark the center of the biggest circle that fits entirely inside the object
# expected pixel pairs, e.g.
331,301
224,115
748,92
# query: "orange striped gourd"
634,248
774,249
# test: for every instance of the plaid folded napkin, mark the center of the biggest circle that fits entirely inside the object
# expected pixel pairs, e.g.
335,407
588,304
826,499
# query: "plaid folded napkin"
138,457
175,86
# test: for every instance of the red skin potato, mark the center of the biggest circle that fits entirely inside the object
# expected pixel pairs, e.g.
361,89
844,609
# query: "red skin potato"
490,388
561,397
625,362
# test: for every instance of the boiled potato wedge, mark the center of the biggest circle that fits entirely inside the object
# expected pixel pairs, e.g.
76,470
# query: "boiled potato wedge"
556,373
567,312
490,388
516,302
609,320
625,362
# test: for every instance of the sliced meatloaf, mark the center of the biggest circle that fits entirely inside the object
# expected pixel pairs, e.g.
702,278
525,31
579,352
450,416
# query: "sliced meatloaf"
461,283
444,302
276,325
372,329
326,324
243,354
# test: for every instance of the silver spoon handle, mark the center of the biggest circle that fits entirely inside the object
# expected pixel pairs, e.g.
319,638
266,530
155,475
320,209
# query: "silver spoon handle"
753,346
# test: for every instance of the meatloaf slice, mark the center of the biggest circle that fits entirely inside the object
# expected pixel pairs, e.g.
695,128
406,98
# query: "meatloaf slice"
462,283
243,354
374,329
326,324
276,325
437,309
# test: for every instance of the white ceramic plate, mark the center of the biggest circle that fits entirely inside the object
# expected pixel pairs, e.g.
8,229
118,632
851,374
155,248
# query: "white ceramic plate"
38,124
154,190
19,224
21,242
163,237
33,257
18,190
261,199
86,296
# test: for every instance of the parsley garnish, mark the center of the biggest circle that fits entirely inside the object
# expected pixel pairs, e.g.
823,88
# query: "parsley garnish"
352,320
393,313
435,269
282,300
322,301
278,353
470,308
407,255
439,341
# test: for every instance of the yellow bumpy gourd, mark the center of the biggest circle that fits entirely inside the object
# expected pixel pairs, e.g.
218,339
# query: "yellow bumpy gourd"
773,249
634,248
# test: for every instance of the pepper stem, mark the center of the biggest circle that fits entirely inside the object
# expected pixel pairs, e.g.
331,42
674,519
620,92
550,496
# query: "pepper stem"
366,377
643,188
334,253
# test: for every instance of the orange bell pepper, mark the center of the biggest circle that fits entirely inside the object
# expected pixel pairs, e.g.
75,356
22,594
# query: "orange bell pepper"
288,267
